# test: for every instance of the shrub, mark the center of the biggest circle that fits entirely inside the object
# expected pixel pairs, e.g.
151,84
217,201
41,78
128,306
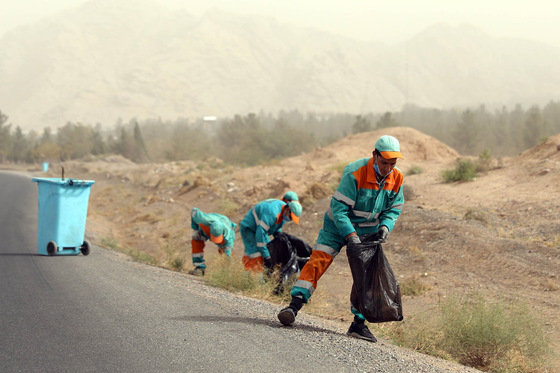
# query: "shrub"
465,170
142,257
177,264
230,274
474,214
339,167
414,170
110,242
491,335
484,161
227,206
413,286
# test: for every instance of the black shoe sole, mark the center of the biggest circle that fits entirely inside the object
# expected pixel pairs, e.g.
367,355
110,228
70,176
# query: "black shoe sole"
356,335
286,317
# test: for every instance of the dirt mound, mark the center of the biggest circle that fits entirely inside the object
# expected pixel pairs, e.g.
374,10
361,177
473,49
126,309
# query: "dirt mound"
550,149
415,146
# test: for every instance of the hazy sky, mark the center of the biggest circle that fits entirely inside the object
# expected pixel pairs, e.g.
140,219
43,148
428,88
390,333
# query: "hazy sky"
389,20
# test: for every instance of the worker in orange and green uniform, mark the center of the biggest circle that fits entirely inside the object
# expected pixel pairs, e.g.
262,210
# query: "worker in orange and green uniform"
263,220
218,228
369,199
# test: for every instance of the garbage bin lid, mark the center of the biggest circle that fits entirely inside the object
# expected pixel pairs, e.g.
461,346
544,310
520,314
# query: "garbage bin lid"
67,181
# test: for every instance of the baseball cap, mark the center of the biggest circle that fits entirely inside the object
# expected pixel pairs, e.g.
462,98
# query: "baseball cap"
291,196
217,232
389,147
295,209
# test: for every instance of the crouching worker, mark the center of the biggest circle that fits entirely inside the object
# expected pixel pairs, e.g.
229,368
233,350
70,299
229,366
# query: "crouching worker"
369,199
264,219
218,228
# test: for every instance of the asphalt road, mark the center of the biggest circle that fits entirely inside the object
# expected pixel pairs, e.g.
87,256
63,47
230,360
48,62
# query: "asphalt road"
105,313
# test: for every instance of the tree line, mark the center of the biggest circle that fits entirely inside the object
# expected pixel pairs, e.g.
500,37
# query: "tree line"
257,138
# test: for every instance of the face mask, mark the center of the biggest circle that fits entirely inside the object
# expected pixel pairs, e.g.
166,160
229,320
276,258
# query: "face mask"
287,216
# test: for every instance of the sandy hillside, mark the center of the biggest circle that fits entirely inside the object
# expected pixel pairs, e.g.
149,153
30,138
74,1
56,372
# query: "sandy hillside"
499,234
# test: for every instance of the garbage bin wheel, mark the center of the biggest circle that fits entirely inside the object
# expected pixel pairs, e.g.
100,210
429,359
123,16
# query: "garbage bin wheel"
52,248
85,248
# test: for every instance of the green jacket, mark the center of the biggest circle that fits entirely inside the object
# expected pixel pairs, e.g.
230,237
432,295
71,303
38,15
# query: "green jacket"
361,204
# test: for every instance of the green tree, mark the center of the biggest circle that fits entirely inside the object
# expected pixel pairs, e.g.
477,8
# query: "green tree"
5,138
74,141
361,125
285,140
125,144
188,143
98,146
241,140
20,147
467,134
534,129
139,152
386,120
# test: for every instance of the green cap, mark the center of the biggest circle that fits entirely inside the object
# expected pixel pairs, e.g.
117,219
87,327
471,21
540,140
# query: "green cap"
217,232
290,196
389,147
296,211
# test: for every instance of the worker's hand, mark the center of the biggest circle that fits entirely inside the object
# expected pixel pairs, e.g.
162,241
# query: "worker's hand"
383,232
353,239
268,262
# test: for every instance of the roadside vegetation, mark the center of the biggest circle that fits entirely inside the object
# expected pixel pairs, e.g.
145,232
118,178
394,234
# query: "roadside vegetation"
467,169
493,335
262,138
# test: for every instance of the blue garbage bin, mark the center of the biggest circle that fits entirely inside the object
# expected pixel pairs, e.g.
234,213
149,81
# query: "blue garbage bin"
63,205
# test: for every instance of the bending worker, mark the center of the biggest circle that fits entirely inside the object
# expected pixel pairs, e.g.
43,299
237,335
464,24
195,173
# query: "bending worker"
369,199
218,228
264,219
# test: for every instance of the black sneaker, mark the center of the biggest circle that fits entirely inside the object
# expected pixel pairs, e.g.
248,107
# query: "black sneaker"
360,330
287,316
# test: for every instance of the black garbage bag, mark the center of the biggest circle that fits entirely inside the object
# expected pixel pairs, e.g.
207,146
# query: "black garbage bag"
375,292
290,252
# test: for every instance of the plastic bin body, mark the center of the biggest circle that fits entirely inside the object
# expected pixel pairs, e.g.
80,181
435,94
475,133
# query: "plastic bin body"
62,214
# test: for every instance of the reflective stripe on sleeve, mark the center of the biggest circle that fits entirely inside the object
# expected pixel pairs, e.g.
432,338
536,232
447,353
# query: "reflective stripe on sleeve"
398,206
259,221
342,198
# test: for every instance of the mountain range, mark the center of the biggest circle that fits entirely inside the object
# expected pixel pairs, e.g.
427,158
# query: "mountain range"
108,60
